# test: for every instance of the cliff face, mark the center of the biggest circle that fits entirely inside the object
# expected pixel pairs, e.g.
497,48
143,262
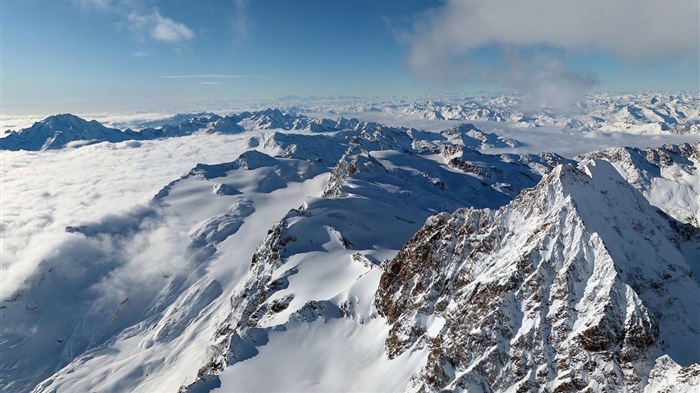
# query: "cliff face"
578,283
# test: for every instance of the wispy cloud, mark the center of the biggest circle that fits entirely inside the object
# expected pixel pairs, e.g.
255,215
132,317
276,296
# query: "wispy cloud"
210,76
144,23
99,5
240,21
210,83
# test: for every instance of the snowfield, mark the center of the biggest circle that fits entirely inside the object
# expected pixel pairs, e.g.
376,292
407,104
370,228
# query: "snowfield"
454,243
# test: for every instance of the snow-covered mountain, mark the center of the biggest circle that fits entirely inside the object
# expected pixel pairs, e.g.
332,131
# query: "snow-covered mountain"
175,119
59,131
668,176
362,183
642,113
577,284
347,255
634,113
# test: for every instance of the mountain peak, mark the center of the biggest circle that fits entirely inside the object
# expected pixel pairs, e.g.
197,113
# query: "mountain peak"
578,273
71,121
57,131
63,117
602,172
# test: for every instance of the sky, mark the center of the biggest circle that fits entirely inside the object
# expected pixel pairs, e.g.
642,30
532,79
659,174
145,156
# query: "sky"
88,55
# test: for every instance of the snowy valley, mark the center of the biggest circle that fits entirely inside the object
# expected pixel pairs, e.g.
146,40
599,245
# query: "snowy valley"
446,244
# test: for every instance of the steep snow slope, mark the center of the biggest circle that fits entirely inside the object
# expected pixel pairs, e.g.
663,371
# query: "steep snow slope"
668,176
577,284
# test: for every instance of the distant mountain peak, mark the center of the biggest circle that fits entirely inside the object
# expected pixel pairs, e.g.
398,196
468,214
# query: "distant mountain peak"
69,119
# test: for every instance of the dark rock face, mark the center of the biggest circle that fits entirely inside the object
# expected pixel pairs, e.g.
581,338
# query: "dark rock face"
529,298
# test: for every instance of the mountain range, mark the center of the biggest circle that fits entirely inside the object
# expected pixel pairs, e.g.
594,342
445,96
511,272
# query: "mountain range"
638,113
347,255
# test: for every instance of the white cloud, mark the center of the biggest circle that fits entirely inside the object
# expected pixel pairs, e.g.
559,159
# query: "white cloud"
170,31
159,27
634,29
121,7
442,41
100,5
144,23
240,20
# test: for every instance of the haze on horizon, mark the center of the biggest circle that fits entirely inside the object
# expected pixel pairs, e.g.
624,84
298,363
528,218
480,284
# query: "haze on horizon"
104,55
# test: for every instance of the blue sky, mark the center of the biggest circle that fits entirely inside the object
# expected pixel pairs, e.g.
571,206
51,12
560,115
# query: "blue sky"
86,55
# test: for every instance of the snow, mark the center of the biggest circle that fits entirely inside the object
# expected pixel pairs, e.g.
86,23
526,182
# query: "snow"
150,283
179,336
644,243
323,356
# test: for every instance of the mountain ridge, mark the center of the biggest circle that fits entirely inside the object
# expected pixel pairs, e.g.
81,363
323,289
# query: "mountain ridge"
59,131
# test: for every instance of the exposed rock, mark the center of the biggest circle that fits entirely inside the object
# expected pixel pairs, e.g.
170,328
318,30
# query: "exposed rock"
537,296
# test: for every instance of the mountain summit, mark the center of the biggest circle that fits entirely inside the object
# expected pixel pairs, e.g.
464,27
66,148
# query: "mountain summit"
57,131
577,284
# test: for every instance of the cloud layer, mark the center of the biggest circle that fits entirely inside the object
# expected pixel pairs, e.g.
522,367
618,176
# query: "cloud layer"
215,76
43,194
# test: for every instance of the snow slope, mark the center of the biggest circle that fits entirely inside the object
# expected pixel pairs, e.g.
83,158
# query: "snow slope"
667,176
